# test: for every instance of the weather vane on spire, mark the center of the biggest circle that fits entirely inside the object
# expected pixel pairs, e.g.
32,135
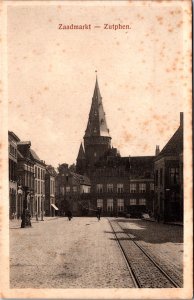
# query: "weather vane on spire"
96,74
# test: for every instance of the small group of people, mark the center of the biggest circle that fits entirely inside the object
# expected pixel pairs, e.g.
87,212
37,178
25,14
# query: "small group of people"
98,214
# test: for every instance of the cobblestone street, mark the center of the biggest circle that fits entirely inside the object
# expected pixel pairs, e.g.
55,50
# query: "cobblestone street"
84,253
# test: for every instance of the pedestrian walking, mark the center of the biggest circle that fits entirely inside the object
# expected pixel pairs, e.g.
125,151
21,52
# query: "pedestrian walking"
36,215
98,213
69,215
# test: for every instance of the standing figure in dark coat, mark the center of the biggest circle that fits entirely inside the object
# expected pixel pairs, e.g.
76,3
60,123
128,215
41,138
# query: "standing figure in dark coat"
69,215
98,213
26,218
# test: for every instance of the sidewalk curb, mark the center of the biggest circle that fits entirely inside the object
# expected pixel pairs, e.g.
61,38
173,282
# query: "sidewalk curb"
167,223
149,220
174,224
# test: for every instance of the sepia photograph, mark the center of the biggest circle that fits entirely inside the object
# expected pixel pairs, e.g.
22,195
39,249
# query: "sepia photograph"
96,150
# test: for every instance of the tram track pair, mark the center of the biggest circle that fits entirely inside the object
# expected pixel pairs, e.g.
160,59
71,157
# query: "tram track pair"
144,270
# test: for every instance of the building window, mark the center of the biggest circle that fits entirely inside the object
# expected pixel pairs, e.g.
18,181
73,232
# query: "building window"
174,175
161,176
133,187
109,187
109,205
62,190
43,188
156,178
38,187
74,189
87,189
99,188
151,186
142,201
35,171
120,188
38,173
120,204
35,186
67,189
53,187
142,187
100,203
132,201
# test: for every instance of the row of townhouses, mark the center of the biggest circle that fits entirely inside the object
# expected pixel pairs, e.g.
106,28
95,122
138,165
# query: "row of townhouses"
120,186
31,181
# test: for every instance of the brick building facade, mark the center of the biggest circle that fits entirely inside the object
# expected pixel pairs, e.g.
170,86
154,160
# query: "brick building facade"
168,169
119,185
70,190
38,206
13,182
50,200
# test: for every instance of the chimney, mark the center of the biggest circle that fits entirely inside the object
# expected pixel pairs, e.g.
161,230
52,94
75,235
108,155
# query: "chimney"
181,119
157,150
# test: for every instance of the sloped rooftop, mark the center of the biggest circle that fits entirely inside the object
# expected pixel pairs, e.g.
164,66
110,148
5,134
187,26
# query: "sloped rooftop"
174,145
81,178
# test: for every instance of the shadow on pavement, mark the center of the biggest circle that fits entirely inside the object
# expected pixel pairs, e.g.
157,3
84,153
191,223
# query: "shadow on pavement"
151,232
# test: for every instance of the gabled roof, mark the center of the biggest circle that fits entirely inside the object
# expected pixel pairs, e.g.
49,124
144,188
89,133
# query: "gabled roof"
82,179
14,136
174,146
36,157
97,125
51,170
24,149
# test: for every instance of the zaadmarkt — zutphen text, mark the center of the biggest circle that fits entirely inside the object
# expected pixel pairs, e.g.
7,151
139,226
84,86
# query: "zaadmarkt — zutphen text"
89,27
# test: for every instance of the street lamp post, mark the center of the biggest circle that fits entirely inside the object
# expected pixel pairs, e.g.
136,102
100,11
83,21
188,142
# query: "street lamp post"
42,211
24,219
20,193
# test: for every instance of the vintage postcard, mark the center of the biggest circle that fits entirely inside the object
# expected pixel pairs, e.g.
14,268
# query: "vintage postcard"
96,150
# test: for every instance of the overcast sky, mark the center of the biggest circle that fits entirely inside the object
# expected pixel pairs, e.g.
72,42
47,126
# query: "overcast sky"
51,75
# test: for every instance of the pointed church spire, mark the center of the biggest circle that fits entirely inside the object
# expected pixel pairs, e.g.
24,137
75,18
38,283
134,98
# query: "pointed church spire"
81,153
97,125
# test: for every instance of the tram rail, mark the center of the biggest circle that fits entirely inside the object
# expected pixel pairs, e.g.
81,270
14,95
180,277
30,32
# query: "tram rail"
144,270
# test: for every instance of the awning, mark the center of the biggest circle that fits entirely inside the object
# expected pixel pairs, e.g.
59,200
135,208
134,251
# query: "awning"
54,206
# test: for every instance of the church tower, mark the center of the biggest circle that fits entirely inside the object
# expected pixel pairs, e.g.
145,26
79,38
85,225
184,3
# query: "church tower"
97,140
